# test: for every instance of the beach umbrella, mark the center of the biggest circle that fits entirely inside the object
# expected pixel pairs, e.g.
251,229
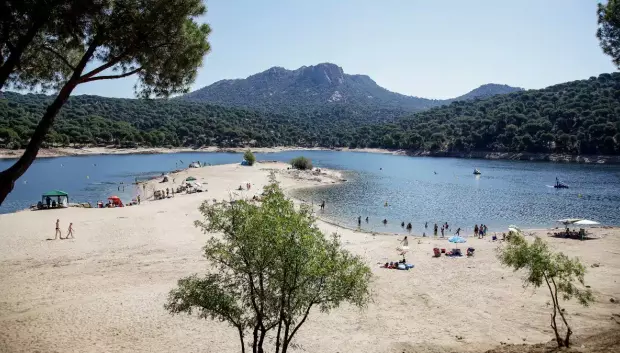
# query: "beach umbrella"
513,228
190,178
113,198
585,222
456,239
567,221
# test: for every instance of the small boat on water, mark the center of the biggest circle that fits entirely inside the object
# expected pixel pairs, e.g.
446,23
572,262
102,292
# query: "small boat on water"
477,172
559,184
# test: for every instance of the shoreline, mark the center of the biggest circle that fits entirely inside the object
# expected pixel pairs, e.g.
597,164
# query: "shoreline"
515,156
94,151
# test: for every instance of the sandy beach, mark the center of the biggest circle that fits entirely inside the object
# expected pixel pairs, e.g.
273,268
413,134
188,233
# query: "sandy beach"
104,290
89,151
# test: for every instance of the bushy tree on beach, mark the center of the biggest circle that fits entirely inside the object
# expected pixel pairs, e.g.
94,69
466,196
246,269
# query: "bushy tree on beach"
608,31
271,267
301,163
563,277
249,157
157,40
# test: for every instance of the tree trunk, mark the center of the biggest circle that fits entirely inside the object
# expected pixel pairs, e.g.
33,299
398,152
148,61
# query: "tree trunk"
554,324
9,176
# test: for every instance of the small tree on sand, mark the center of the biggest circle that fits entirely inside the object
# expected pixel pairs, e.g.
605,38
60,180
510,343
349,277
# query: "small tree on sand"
272,266
301,163
248,156
557,271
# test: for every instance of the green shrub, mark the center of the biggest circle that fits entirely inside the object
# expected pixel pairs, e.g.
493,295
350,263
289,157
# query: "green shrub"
249,157
301,163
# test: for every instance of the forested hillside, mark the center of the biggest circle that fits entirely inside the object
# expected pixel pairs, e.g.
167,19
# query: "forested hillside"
92,120
580,117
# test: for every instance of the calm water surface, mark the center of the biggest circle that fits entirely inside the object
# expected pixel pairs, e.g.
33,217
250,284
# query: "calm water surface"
417,190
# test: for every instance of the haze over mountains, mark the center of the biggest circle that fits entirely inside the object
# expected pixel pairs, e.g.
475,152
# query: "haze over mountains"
320,86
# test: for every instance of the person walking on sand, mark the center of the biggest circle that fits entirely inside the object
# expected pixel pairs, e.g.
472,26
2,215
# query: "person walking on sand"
404,242
58,233
70,232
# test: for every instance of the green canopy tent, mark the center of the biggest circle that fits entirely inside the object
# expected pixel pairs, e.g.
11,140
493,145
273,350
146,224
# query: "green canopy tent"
191,178
62,198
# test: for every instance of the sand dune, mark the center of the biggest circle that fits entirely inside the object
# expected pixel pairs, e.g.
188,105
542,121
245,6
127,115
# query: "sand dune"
104,291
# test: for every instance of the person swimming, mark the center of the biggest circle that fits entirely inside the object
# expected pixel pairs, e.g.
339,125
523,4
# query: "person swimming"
384,221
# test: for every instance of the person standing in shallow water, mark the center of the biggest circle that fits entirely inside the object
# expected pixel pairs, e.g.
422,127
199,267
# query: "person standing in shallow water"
359,221
425,225
435,230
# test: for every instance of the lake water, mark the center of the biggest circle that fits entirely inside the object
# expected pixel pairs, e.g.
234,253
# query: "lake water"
417,189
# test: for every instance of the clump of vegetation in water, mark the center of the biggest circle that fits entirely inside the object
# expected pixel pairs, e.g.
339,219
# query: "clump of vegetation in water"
249,157
271,267
563,276
301,163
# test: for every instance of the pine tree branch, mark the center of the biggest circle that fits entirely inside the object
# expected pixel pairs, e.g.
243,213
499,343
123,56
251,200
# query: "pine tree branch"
59,56
110,77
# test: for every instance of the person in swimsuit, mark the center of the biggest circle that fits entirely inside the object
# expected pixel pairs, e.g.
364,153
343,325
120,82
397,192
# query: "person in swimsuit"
70,231
58,233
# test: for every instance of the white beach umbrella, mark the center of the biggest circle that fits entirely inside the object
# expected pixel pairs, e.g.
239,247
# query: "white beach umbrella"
585,222
514,228
569,220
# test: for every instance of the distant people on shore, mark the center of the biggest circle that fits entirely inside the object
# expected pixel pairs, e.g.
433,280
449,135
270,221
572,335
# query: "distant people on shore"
58,233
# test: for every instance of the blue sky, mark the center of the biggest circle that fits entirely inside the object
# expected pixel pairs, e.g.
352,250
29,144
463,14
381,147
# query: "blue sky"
431,49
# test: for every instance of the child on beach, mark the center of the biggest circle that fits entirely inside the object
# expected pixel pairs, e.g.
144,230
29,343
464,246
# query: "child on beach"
70,231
